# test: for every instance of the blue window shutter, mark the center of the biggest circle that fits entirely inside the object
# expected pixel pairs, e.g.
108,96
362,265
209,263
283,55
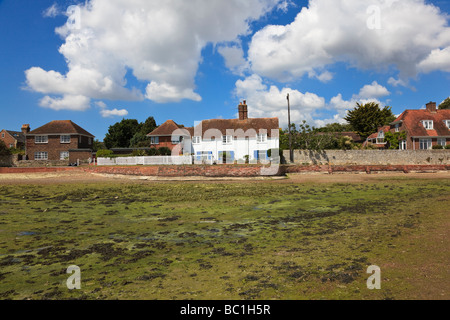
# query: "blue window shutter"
199,156
255,154
232,155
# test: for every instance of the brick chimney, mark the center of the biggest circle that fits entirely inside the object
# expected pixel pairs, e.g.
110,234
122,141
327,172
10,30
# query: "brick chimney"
26,128
431,107
243,111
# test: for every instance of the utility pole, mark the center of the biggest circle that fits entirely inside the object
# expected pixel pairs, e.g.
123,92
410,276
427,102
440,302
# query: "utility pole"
291,152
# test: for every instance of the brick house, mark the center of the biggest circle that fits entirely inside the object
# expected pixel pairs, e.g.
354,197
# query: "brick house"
166,135
15,139
424,129
59,140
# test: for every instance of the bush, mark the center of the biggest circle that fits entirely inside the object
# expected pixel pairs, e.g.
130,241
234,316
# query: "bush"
164,151
138,153
153,152
103,153
447,146
437,147
4,150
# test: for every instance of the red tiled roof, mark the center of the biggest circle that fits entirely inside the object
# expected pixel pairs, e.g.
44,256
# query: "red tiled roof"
240,128
166,129
412,121
60,127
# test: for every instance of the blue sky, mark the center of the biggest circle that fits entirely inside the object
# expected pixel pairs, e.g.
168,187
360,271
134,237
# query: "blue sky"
101,61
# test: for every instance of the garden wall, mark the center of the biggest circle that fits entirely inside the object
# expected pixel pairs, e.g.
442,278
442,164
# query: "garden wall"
9,161
370,157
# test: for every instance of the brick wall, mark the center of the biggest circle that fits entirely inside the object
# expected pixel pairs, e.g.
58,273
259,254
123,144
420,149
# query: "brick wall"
54,147
371,157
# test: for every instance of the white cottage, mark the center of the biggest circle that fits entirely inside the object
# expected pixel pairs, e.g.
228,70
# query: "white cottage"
228,140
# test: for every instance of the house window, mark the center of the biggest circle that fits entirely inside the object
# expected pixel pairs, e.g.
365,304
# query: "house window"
447,123
3,135
90,141
177,139
41,139
41,156
403,145
11,145
64,155
196,140
261,138
154,140
425,144
65,139
380,138
442,142
428,124
397,128
227,139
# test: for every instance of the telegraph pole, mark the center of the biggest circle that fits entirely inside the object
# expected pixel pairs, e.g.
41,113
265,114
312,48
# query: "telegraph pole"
291,152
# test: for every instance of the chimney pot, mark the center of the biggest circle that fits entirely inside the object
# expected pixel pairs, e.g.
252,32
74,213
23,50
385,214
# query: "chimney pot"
25,128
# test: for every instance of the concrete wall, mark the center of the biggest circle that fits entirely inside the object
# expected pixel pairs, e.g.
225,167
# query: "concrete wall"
42,163
370,157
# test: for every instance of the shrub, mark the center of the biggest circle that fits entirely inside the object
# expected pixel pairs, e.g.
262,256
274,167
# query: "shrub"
4,150
104,153
152,152
138,153
447,146
165,151
437,147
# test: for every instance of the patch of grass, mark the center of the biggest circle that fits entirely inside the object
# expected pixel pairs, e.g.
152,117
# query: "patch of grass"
209,241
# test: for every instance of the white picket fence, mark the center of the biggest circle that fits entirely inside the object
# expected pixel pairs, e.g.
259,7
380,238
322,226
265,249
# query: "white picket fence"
146,161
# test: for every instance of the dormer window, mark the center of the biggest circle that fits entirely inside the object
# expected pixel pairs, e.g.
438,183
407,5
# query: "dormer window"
447,123
380,138
397,127
428,124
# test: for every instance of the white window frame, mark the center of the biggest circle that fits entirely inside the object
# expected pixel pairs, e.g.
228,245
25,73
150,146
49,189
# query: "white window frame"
380,138
154,140
403,145
227,139
3,135
196,139
66,155
447,123
261,138
427,141
41,155
63,138
41,139
428,124
442,141
397,128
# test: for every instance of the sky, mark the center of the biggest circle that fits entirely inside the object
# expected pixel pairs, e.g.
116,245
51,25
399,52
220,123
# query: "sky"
96,62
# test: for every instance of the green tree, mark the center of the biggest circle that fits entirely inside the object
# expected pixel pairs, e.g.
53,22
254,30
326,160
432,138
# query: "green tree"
120,134
336,127
140,140
367,118
97,145
4,150
445,104
148,126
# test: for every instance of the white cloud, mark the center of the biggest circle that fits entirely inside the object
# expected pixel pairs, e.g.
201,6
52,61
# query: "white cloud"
234,58
437,60
113,113
373,90
67,102
51,11
270,101
331,31
159,42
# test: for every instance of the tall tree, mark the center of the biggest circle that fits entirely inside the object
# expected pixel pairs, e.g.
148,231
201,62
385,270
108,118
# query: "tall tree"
445,104
367,118
120,134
